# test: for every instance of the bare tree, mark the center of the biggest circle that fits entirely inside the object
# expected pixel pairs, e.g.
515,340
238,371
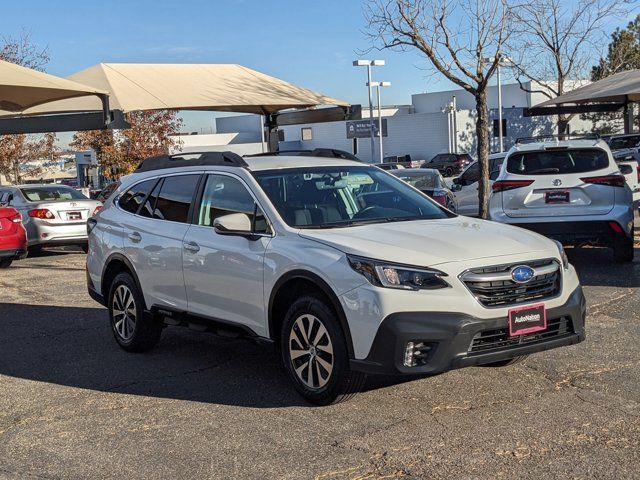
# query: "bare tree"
462,39
553,43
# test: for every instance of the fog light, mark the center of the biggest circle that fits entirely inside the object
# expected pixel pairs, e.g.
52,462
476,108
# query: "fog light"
416,353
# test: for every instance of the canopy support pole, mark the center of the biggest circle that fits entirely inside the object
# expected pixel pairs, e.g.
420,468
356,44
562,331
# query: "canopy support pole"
628,117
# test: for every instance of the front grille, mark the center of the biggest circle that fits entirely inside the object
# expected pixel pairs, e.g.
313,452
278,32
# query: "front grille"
496,340
494,287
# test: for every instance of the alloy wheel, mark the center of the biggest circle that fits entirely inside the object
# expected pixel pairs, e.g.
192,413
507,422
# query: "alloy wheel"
124,313
311,351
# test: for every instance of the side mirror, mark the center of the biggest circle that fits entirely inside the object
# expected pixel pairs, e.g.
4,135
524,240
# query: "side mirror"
233,224
625,169
456,187
457,181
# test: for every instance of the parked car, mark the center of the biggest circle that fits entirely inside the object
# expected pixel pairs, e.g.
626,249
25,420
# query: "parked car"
288,252
626,151
430,182
622,141
568,190
465,186
51,214
391,166
449,164
13,237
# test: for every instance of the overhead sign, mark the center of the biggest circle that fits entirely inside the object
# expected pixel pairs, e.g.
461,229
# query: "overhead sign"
362,128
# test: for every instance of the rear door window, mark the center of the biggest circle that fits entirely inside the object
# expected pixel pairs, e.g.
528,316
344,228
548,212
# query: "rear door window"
175,198
553,162
131,200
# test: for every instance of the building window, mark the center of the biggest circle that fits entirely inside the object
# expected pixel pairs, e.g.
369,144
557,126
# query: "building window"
306,133
496,134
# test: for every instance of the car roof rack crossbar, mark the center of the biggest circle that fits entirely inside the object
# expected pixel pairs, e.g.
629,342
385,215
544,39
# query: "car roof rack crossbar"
558,138
316,152
191,159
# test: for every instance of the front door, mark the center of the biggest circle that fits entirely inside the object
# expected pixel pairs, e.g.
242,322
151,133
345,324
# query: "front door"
224,273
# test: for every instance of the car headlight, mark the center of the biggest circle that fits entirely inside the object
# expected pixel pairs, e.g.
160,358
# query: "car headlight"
404,277
563,255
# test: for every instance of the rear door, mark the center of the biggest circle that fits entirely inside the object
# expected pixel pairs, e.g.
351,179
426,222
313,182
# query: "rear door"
153,238
557,187
467,196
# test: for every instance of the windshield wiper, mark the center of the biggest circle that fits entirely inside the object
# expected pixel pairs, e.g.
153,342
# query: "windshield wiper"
545,170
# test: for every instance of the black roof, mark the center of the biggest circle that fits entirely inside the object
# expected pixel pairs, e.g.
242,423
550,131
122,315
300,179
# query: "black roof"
191,159
317,152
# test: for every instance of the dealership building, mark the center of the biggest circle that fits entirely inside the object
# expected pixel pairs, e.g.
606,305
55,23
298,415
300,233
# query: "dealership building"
433,123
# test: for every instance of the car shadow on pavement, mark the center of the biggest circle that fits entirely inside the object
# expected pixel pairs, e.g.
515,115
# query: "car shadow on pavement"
596,268
74,347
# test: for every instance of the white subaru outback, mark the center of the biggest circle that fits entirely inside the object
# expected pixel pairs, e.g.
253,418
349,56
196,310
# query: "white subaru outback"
346,269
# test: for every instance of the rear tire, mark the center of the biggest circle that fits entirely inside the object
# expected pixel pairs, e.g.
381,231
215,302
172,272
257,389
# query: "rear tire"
134,329
623,251
506,363
6,262
85,248
314,353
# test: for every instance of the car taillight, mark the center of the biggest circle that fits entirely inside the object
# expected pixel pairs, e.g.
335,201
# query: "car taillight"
17,218
638,170
504,185
41,213
615,226
609,180
98,208
441,198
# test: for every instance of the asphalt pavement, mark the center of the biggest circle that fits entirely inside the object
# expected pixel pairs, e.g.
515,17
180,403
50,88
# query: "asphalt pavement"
74,405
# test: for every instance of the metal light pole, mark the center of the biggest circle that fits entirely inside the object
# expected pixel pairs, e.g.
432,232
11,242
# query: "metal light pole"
503,59
378,86
369,64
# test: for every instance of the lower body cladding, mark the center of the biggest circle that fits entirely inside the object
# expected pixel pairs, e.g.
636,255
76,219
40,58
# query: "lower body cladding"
435,342
40,232
13,253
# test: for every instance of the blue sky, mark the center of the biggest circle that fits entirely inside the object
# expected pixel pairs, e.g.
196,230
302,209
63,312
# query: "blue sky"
311,43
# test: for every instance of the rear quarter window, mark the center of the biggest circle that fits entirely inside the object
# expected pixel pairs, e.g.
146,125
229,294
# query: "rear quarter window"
553,162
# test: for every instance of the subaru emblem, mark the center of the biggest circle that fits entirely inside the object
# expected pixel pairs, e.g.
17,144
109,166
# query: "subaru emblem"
557,182
522,273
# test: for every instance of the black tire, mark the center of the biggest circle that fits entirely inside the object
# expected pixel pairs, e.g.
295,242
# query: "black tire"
35,250
85,248
137,334
506,363
448,172
451,205
623,251
6,262
340,383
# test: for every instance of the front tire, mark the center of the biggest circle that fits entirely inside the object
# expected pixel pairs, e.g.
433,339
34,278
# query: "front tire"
134,329
623,251
6,262
314,353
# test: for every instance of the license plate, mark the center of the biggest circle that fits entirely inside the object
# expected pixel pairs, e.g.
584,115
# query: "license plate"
74,216
529,319
557,197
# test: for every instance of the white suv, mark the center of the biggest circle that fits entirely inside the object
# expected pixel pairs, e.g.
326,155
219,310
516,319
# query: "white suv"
344,279
570,190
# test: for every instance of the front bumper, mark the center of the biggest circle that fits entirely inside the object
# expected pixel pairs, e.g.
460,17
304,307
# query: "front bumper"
451,335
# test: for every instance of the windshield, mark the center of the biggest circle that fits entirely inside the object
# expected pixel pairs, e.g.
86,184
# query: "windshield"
424,181
51,194
330,197
619,143
557,161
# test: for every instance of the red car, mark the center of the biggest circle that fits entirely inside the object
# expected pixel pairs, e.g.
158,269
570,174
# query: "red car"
13,237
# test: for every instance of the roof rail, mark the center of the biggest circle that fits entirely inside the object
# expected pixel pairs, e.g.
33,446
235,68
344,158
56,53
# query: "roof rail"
558,138
317,152
227,159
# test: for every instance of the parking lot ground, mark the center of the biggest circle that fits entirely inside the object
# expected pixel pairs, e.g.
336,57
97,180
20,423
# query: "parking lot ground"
76,406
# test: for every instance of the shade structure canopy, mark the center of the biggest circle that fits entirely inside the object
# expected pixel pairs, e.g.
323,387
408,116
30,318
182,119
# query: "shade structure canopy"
620,88
22,88
221,87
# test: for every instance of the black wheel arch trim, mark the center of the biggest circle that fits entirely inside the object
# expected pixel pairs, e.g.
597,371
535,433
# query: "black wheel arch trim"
326,289
121,258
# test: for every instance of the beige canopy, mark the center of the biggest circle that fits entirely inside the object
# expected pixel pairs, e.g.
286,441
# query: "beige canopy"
619,88
232,88
22,88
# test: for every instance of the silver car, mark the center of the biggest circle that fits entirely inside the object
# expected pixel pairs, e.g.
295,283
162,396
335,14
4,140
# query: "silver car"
52,214
571,191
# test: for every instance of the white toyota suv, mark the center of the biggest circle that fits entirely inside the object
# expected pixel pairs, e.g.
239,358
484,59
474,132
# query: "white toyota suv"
344,279
569,190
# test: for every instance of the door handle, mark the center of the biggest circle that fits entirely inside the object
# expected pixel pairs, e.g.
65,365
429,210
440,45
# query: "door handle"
191,247
135,237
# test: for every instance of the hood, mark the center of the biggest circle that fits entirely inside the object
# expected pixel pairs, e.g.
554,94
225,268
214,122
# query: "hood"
433,242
